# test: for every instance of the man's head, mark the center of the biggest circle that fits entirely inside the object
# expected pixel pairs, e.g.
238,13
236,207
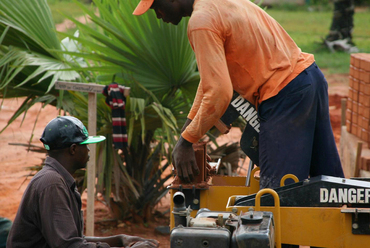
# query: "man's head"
68,137
170,11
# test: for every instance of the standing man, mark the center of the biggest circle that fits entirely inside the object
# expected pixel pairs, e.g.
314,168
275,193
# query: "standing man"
49,214
240,48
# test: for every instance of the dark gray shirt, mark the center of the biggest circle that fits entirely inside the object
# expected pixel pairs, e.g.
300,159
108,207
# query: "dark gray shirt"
49,214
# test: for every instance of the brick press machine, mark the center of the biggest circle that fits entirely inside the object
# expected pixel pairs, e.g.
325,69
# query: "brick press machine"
222,211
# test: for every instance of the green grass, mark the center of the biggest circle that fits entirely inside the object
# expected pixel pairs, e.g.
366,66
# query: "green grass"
306,28
309,28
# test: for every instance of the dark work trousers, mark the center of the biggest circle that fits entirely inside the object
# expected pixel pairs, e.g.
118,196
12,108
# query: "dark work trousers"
295,134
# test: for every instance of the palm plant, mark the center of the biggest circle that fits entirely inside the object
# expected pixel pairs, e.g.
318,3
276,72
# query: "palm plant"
162,81
117,45
29,62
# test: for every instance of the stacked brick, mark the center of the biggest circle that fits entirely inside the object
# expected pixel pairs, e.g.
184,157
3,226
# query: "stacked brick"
358,103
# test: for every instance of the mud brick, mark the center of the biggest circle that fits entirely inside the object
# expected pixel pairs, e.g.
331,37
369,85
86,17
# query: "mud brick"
365,62
356,84
349,104
365,135
353,94
362,163
365,163
364,99
356,73
354,118
351,71
352,60
355,57
355,107
349,115
350,79
363,122
354,128
359,131
359,121
348,125
365,76
350,93
364,88
364,111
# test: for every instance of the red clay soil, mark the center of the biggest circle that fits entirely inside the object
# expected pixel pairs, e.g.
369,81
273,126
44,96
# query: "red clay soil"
15,162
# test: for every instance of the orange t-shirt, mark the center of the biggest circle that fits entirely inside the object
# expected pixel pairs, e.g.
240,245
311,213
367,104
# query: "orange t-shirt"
238,46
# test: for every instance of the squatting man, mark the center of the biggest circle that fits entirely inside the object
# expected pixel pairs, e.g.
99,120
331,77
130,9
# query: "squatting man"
49,214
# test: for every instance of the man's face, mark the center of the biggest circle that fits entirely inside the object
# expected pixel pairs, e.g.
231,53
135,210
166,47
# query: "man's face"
82,156
168,10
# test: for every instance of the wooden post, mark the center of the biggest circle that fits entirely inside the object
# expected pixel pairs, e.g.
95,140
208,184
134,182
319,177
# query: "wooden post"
343,111
91,177
92,89
358,158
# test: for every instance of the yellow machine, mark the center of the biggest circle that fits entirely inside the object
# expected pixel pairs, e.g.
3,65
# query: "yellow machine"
222,211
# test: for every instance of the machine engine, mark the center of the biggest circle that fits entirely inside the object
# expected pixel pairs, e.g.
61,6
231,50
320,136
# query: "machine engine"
219,229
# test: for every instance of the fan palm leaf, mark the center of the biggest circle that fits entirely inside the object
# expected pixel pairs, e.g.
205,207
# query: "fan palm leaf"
153,58
32,48
154,53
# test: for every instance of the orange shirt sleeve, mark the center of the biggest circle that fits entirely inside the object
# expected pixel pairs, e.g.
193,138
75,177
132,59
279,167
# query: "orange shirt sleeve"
197,101
215,90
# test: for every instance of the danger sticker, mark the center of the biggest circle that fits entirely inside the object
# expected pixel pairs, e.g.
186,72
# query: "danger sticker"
344,195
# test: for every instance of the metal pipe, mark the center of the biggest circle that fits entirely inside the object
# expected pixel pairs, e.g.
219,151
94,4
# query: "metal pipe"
179,209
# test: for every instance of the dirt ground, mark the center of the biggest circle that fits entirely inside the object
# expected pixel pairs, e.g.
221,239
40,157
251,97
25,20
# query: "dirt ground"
15,162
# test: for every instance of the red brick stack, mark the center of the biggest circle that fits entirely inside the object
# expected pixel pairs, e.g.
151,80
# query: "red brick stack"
358,103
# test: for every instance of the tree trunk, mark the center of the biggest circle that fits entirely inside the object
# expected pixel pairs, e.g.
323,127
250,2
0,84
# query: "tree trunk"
340,35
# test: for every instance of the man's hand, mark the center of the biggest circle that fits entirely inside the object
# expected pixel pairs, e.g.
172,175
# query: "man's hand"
183,158
122,240
138,242
149,243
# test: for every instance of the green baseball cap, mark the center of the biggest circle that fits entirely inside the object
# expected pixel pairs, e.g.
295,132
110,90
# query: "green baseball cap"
63,131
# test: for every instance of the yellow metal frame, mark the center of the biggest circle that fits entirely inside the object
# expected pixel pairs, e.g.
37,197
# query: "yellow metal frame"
307,226
311,226
220,188
282,181
276,217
